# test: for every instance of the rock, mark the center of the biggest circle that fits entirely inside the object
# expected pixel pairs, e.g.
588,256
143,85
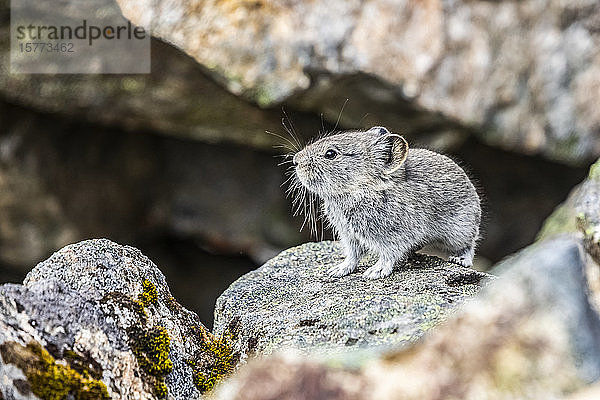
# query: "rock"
291,302
176,99
580,213
530,334
524,74
292,377
579,216
97,320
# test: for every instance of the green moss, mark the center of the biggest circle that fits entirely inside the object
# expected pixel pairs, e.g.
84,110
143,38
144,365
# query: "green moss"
151,349
149,295
160,388
140,310
150,346
222,359
48,379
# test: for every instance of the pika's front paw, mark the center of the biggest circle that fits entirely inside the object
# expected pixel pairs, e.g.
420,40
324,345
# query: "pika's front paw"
342,269
378,270
461,261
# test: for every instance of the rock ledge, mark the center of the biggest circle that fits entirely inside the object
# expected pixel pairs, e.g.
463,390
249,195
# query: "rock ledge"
291,302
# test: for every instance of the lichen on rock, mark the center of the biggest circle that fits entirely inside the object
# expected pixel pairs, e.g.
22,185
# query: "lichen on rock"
221,360
104,313
151,349
48,379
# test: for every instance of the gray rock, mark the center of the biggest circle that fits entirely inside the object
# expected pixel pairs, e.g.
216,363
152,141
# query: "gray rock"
530,334
176,99
579,214
97,319
525,73
291,302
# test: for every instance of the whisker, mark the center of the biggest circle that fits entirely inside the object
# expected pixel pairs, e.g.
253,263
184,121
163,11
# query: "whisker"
363,117
289,132
340,115
282,147
293,147
287,181
305,214
322,126
320,211
293,133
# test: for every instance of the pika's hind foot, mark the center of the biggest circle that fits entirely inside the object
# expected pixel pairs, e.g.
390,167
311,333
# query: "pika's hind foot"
342,269
464,257
380,269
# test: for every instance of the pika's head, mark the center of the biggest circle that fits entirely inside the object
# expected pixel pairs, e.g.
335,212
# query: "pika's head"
349,162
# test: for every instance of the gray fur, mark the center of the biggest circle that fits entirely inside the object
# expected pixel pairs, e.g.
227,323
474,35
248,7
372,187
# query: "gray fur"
379,195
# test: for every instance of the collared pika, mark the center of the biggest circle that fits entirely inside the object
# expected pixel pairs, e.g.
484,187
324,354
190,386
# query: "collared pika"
381,196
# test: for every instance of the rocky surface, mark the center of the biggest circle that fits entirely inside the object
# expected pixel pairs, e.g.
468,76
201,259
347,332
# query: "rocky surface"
580,214
97,321
291,302
522,73
530,334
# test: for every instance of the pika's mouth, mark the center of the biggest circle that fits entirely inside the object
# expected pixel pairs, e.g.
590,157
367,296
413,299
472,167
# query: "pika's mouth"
305,179
301,175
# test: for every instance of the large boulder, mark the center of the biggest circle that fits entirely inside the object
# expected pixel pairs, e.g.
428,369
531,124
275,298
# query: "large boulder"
530,334
291,302
97,321
525,74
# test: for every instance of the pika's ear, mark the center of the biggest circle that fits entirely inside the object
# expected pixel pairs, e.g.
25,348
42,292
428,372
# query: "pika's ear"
379,130
395,151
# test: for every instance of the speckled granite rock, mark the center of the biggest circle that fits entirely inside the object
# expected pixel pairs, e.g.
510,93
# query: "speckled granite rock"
97,321
291,302
524,73
530,334
177,98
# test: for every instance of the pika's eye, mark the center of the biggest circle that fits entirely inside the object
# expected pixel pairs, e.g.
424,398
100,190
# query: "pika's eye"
331,154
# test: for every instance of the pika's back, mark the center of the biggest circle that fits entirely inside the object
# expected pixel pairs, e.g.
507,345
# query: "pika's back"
426,165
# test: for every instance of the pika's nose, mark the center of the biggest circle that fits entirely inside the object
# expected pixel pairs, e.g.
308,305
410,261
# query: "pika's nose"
295,160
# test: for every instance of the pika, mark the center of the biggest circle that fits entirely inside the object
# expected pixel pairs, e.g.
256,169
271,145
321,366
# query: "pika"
381,196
